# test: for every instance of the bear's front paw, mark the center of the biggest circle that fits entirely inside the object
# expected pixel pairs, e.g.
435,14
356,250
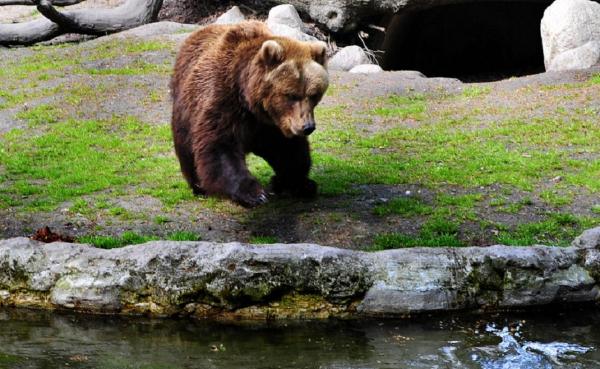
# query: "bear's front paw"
250,194
306,188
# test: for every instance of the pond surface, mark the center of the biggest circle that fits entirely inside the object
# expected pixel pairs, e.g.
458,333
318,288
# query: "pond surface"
40,340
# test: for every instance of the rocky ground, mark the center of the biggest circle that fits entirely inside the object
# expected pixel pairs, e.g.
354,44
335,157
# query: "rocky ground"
401,160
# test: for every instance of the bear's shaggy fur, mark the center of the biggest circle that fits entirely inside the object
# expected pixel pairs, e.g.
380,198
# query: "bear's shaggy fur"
237,89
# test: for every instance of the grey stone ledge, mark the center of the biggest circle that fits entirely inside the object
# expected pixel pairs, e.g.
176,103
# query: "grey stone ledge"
239,281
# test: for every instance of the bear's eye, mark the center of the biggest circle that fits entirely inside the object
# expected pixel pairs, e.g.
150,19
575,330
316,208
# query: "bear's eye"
294,97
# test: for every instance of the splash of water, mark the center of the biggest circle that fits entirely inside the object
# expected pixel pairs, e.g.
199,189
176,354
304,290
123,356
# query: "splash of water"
510,354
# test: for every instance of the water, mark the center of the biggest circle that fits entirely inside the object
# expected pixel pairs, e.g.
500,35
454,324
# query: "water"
51,340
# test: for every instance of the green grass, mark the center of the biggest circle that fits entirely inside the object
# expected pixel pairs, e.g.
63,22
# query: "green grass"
502,204
402,107
135,69
475,91
595,79
557,229
10,98
133,238
513,152
43,171
40,114
556,199
51,61
436,232
184,236
405,206
111,242
260,240
161,219
461,201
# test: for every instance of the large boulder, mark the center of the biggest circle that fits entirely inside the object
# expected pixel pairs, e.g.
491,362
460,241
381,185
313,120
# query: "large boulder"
286,15
287,31
284,21
232,16
348,58
571,34
366,69
336,15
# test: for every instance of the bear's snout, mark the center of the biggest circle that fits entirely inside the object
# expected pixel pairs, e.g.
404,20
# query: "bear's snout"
309,127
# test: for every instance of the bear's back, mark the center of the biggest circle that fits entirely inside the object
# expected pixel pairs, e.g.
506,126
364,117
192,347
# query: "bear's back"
212,39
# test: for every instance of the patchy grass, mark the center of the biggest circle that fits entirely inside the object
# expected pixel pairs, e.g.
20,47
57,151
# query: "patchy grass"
137,68
112,242
161,219
525,155
512,152
475,91
436,232
402,107
9,99
133,238
184,236
405,206
45,170
41,114
555,198
557,229
261,240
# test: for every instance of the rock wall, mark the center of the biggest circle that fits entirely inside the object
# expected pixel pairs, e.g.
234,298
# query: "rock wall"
236,281
343,15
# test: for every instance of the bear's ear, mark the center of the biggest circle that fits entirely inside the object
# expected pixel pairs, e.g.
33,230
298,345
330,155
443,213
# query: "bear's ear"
271,53
319,52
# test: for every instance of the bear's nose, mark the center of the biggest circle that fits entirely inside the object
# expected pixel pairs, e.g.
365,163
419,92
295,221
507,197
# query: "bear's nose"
308,128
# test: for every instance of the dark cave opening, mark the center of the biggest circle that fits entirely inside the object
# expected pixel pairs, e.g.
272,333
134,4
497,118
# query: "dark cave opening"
471,41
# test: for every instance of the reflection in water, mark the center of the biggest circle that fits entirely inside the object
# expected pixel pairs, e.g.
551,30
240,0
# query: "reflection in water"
44,340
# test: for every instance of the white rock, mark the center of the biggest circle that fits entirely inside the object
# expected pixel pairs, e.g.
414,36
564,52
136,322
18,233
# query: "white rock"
582,57
286,15
348,58
410,74
286,31
232,16
571,27
366,69
589,239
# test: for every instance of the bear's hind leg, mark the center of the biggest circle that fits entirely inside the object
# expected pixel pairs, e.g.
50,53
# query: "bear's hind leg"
188,169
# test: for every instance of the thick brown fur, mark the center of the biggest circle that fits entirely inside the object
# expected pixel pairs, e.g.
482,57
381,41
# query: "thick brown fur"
237,89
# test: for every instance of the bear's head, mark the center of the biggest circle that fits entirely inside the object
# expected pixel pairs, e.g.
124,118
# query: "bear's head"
293,79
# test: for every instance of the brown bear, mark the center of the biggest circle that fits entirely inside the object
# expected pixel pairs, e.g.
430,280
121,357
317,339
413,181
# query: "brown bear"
238,89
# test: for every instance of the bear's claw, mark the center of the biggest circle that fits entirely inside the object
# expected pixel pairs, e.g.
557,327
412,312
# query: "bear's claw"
250,194
250,201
